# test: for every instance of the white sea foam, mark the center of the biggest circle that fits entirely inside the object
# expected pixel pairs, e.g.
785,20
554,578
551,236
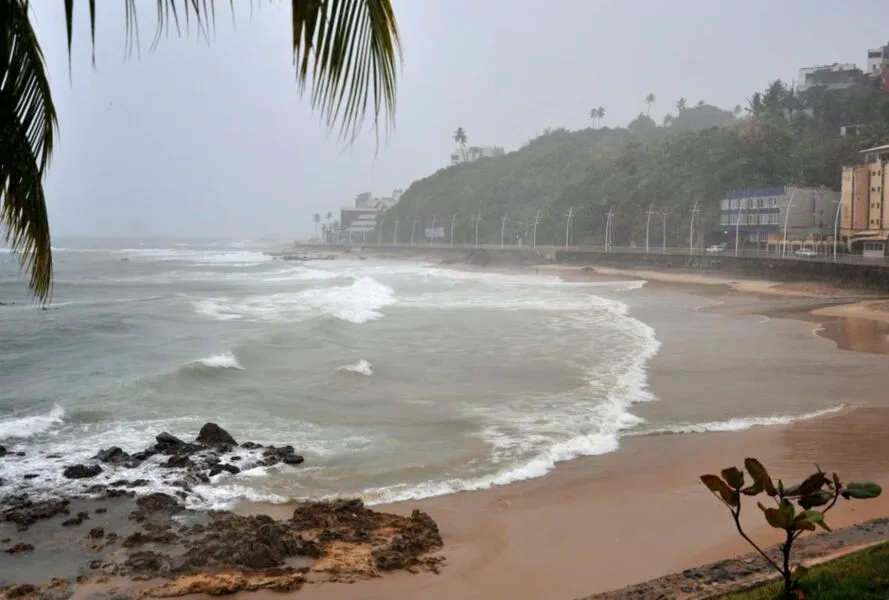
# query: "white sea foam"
28,426
223,360
362,367
741,423
359,302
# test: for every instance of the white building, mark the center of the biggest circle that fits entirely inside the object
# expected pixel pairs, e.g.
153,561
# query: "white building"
876,59
474,153
833,77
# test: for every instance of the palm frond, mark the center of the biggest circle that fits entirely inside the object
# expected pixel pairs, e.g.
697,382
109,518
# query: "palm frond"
350,49
27,129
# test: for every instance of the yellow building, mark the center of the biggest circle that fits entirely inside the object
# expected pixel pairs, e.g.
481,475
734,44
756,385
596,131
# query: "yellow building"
862,220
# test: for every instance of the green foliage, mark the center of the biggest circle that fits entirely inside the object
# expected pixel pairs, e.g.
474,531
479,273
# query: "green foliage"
784,139
815,490
863,575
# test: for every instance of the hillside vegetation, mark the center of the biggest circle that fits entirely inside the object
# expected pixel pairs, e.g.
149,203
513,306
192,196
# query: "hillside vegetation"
782,139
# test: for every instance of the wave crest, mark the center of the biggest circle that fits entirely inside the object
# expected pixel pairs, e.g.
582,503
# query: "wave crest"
25,427
223,360
362,367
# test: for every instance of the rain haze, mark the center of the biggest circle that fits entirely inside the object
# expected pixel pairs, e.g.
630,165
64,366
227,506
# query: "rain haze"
213,140
609,248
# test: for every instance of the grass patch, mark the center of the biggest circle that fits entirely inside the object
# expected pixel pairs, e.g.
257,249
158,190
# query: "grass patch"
862,575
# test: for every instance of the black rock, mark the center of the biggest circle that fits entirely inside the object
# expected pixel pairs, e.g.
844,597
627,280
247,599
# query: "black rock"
19,453
212,434
81,471
292,459
31,476
143,455
53,455
251,445
217,469
2,450
166,441
112,455
178,460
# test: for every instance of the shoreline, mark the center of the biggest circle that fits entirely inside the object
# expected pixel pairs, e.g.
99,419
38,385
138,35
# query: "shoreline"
540,537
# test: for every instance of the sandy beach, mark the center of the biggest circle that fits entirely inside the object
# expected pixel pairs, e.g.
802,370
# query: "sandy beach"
605,522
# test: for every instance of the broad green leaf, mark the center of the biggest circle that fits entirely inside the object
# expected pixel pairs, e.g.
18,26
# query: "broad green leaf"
734,477
721,488
760,476
815,499
862,490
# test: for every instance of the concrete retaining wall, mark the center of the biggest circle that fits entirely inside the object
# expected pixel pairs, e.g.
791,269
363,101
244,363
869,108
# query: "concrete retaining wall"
875,277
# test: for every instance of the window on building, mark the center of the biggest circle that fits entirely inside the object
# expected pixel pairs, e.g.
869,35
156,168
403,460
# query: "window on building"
733,205
723,220
873,246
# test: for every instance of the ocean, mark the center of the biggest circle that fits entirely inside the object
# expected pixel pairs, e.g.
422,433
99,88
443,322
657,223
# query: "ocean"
395,380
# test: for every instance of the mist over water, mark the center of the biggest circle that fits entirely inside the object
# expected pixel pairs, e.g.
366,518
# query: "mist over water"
395,380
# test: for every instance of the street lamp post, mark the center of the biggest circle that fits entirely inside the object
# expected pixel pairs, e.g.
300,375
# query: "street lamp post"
395,233
691,228
534,235
432,233
786,218
738,223
568,225
478,219
647,224
664,233
453,222
503,229
413,230
836,225
608,222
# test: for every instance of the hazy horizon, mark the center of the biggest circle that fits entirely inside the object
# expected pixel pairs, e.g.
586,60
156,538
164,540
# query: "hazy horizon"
213,140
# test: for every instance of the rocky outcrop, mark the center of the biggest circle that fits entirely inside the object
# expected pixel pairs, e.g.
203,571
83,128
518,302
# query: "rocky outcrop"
113,455
81,471
212,434
229,582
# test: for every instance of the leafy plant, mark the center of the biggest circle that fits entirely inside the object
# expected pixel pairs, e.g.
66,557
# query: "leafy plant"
816,491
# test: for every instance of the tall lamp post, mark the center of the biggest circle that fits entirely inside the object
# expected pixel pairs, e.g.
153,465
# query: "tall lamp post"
647,225
477,220
786,218
691,228
503,229
453,222
568,226
836,226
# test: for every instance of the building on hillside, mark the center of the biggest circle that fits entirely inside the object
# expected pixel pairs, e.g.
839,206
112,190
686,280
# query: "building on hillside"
877,60
765,217
359,220
862,224
837,76
473,153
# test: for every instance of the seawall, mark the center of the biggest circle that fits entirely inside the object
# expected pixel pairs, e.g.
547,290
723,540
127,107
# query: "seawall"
867,276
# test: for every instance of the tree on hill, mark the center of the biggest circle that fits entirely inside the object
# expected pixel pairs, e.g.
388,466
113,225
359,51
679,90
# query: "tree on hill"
351,61
641,124
681,104
737,111
701,117
461,139
600,113
649,100
317,221
668,120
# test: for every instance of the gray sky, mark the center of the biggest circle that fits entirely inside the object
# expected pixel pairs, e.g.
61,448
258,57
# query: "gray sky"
194,139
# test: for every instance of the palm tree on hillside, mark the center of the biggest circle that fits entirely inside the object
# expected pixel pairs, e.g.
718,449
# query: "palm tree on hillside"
594,115
681,105
600,114
650,99
316,220
349,49
461,139
668,120
737,110
701,103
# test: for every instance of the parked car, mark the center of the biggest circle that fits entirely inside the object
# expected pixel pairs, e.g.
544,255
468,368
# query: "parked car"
805,253
716,248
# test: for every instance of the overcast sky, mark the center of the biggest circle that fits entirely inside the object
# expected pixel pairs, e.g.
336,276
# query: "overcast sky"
214,140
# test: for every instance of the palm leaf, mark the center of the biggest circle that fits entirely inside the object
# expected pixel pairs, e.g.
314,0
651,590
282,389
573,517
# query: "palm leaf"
350,48
27,128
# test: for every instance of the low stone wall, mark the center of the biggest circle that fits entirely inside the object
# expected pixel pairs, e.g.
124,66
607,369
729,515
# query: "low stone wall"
510,256
873,277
